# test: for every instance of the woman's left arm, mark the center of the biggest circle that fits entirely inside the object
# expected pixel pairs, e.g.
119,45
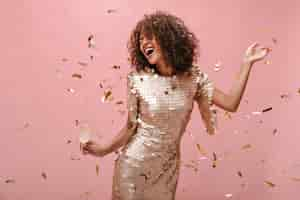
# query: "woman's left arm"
230,102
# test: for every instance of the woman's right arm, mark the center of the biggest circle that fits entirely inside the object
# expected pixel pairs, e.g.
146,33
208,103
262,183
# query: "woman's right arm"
121,138
130,128
127,131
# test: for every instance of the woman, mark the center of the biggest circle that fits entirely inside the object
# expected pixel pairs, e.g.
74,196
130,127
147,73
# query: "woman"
161,90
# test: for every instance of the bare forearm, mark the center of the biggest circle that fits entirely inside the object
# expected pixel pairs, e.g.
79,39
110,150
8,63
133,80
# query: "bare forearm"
120,139
238,89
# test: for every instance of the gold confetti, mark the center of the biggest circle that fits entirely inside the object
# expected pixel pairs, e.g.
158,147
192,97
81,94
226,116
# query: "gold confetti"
274,40
76,122
64,59
111,11
191,166
97,169
44,175
201,150
214,165
74,157
275,131
284,96
295,179
240,174
10,181
107,96
69,142
247,146
91,41
116,67
71,90
84,64
100,85
217,66
267,109
228,195
26,125
119,102
256,113
77,76
269,183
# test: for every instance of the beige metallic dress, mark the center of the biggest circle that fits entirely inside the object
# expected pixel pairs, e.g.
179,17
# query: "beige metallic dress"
148,166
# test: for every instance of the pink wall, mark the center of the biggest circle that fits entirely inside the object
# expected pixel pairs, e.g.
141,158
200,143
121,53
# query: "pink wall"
38,113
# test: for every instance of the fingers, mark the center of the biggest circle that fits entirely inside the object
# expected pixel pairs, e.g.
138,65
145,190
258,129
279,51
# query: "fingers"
254,45
84,148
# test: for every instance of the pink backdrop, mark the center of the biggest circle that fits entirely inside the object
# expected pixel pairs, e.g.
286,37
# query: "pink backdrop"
41,45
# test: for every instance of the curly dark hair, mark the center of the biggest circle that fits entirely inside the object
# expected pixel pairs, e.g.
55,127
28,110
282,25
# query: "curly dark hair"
179,45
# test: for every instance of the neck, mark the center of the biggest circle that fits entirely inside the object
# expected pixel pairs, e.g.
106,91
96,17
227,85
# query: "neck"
165,70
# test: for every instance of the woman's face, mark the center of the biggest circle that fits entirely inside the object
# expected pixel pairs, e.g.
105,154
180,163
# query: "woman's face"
150,48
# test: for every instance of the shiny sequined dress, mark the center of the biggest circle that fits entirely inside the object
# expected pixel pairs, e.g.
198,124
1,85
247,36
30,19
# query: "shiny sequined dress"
148,166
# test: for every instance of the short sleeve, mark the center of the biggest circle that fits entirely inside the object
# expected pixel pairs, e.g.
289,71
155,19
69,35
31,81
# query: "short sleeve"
204,98
132,100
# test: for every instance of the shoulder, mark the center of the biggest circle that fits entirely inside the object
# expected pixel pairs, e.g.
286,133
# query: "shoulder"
198,74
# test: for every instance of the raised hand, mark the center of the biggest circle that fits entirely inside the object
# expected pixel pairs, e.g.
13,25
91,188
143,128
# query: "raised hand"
255,52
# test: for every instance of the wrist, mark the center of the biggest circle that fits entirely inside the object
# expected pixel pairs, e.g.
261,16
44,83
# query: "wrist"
247,63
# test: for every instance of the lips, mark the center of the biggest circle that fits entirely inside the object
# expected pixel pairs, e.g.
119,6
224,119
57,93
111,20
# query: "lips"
148,50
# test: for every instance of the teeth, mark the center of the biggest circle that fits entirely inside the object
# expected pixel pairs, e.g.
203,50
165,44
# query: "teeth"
149,50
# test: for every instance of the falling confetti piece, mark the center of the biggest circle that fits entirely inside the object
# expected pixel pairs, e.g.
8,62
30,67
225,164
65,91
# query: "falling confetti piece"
76,122
91,41
217,66
295,179
111,11
240,174
119,102
191,166
69,142
10,181
79,76
267,109
116,67
44,175
247,146
202,158
201,150
97,169
299,90
228,195
26,125
214,156
107,96
270,184
275,131
256,113
274,40
92,57
71,90
74,157
214,165
284,96
84,64
64,59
